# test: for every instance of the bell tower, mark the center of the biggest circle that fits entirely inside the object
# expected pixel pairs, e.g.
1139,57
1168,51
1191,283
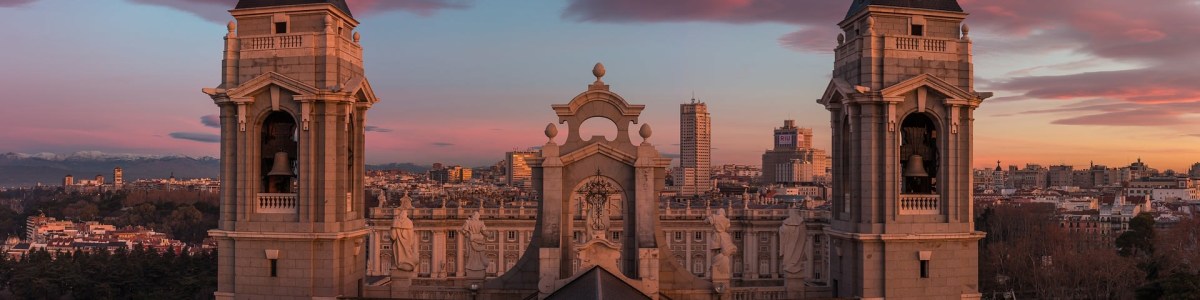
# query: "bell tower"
293,100
901,104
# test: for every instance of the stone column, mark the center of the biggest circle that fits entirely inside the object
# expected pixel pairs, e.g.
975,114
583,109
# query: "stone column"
438,259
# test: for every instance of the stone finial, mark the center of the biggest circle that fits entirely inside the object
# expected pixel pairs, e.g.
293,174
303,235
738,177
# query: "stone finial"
357,36
551,131
966,30
231,26
598,71
645,131
841,38
871,25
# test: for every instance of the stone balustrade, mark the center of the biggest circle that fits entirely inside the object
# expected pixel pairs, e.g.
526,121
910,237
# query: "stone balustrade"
920,204
272,42
276,203
922,44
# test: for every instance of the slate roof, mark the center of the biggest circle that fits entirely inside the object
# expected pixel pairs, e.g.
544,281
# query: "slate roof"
945,5
597,284
340,4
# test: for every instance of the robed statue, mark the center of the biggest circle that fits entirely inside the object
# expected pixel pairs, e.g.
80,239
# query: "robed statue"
473,232
404,242
722,246
793,244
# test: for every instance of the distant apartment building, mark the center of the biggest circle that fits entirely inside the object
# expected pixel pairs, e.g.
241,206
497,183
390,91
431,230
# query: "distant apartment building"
453,174
517,170
118,177
793,159
695,149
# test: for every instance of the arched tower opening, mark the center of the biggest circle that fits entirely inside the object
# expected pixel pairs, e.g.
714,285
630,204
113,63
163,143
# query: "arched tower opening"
280,141
919,155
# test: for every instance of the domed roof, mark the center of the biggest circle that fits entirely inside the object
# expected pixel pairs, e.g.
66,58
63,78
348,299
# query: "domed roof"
944,5
340,4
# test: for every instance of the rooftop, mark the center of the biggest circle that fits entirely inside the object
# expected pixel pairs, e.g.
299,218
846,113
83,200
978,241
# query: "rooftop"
943,5
340,4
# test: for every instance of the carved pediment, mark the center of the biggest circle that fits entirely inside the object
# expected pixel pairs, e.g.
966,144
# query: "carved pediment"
601,149
254,86
597,95
929,81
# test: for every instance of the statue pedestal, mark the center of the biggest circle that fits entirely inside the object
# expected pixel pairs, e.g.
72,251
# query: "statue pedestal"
401,281
476,275
794,286
402,278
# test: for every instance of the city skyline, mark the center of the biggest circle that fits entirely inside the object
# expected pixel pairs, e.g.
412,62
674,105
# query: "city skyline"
1095,86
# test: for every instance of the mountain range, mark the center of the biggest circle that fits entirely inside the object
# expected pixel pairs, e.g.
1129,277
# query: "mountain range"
22,169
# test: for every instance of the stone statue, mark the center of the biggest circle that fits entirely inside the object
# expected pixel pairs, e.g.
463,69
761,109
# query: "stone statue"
472,231
406,202
382,198
404,242
722,245
793,239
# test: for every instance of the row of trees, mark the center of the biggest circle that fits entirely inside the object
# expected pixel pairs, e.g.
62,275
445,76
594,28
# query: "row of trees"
185,215
123,274
1027,253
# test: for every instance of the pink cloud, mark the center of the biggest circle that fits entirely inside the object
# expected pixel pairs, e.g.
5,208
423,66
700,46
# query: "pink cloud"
14,3
217,10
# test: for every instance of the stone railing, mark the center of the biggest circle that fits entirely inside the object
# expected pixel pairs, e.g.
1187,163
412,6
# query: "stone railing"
920,204
758,293
288,41
920,44
275,203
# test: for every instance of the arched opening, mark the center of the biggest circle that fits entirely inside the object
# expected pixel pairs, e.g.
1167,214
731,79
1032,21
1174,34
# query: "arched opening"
278,153
598,126
919,155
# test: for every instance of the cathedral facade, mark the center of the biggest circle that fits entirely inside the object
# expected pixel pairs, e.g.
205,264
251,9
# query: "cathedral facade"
293,100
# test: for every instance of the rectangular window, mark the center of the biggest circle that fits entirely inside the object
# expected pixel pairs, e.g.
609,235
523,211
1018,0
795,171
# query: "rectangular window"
678,235
616,235
280,27
274,267
918,30
426,235
924,269
452,234
699,236
512,235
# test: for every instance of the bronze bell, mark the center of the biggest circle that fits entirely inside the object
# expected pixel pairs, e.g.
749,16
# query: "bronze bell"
282,166
916,167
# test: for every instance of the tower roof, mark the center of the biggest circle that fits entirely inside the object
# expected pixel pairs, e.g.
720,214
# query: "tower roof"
944,5
340,4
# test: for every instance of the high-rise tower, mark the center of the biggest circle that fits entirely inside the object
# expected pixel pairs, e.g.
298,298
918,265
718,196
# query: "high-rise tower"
293,102
118,178
901,102
695,148
794,151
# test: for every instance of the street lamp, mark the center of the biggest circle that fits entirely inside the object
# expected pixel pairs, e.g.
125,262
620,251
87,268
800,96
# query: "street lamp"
474,290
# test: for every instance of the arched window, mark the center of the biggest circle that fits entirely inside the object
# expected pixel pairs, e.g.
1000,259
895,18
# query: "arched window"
279,151
919,155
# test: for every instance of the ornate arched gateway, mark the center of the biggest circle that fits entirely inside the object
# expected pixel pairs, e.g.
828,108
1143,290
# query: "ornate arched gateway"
599,207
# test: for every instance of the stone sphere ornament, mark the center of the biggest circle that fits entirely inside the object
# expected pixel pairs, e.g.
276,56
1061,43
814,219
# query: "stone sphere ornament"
551,131
645,131
598,71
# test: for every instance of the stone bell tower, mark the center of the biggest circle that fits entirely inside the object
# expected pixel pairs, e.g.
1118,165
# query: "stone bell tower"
293,101
901,104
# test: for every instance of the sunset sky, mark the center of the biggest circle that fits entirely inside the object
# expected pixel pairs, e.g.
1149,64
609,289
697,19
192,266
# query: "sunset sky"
461,82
